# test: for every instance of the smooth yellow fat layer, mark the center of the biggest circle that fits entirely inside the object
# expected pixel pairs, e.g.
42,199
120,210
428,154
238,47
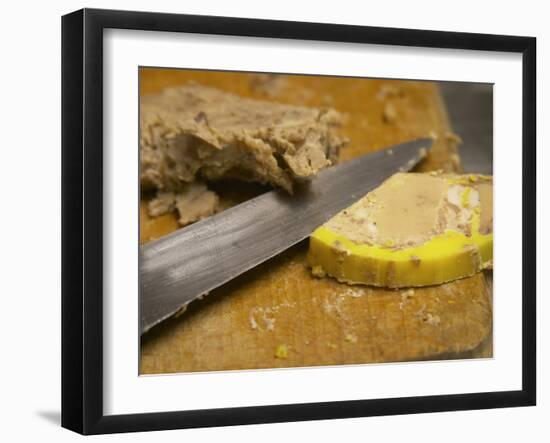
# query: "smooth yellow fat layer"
443,258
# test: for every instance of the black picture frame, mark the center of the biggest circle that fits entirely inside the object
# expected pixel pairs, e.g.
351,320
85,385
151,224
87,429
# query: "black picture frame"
82,220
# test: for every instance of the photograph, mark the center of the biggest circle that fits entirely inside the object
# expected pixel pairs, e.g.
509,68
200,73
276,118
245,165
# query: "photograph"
295,221
270,221
266,222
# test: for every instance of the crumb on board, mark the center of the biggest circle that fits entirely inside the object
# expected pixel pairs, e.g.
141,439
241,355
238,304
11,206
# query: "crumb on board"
180,311
433,320
281,351
427,317
269,323
351,338
183,308
421,312
354,292
389,114
263,318
204,294
252,320
405,297
333,305
318,271
265,315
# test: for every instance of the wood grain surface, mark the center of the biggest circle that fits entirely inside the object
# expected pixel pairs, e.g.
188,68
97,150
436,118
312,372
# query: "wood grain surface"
278,315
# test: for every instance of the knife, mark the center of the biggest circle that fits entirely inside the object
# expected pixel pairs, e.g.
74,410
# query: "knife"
190,262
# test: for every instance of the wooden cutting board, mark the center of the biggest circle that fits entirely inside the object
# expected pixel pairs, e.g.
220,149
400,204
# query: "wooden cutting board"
279,305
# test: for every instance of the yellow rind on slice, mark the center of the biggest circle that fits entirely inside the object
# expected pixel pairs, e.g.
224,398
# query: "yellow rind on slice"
448,256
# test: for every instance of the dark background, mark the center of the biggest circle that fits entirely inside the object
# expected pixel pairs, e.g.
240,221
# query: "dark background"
470,107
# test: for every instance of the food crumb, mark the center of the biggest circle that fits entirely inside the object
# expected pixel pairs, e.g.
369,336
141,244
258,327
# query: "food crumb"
433,320
389,114
354,292
252,320
180,311
266,316
351,338
281,351
405,297
428,317
334,306
421,312
204,294
269,323
317,271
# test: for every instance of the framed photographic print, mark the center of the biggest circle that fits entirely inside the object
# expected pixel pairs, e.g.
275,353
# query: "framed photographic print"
270,221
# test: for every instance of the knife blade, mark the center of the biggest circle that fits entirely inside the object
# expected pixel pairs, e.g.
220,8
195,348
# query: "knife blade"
190,262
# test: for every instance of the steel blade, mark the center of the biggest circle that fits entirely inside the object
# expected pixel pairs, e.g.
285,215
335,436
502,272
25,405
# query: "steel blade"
192,261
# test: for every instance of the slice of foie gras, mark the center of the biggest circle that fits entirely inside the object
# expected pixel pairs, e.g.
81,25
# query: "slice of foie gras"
414,230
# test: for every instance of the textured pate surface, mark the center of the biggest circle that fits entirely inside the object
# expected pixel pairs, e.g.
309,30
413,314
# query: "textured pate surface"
196,133
409,209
